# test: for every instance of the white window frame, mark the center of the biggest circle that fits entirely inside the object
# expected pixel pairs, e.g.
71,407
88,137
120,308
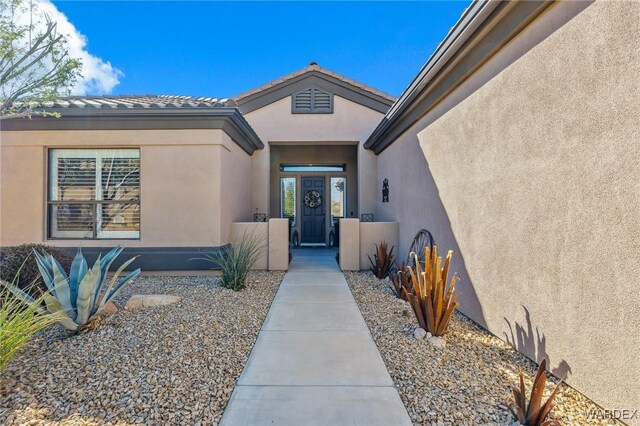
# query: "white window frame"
99,154
344,196
295,196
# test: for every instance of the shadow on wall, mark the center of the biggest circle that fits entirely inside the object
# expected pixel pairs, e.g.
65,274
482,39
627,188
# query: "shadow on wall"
419,206
535,347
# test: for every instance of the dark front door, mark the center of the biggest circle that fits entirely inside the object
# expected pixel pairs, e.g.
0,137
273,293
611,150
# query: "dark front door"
313,209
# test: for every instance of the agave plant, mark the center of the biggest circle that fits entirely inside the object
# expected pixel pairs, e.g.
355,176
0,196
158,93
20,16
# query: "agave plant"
433,302
534,413
400,282
79,297
383,260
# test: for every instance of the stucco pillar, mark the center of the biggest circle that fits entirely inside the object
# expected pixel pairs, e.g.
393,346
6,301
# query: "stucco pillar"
278,244
350,244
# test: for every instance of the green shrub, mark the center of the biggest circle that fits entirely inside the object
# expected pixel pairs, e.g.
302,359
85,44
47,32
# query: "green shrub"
79,297
19,321
235,263
12,260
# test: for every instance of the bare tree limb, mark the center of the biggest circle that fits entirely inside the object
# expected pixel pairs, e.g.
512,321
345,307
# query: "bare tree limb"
35,66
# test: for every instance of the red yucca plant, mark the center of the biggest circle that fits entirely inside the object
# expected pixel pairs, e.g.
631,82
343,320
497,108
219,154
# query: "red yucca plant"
400,282
534,413
432,300
383,260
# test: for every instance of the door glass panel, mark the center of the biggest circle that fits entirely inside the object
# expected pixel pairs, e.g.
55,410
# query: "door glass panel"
288,197
313,167
338,196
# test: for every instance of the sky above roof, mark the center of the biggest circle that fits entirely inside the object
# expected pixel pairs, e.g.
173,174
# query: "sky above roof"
223,49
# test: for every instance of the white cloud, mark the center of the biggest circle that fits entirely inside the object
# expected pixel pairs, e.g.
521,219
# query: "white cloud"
98,76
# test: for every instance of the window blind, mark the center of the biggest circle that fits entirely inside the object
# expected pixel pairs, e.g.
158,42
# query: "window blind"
94,193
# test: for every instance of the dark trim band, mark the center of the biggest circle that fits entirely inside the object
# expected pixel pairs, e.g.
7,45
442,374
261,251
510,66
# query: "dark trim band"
155,258
230,120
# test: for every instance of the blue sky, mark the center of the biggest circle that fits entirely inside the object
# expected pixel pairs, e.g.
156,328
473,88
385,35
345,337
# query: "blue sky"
222,49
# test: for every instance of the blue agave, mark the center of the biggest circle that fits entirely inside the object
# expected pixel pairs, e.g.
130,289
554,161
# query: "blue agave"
80,296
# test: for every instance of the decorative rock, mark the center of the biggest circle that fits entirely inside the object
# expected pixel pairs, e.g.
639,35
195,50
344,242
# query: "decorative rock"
419,333
437,342
109,308
147,300
120,373
460,379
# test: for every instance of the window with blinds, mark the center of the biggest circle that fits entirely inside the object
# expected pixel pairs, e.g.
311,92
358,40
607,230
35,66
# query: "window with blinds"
312,100
94,193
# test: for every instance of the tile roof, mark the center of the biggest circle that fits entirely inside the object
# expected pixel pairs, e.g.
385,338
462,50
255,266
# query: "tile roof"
138,102
310,68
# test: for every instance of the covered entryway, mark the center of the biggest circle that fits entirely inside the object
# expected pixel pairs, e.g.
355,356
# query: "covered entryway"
314,185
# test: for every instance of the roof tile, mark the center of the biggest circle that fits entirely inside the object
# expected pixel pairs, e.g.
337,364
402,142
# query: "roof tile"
138,101
318,68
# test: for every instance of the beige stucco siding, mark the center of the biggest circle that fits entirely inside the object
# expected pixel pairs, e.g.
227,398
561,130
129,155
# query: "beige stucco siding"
350,123
180,195
182,178
533,167
21,205
234,187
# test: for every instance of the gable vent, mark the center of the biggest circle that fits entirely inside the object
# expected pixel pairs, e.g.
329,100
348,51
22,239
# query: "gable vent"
312,100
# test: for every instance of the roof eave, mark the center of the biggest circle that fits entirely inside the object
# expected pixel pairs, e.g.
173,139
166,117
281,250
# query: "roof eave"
479,16
227,119
280,88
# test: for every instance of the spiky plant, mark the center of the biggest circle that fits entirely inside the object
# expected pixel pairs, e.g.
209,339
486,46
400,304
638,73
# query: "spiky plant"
79,297
19,321
534,413
384,258
433,302
21,258
236,262
400,282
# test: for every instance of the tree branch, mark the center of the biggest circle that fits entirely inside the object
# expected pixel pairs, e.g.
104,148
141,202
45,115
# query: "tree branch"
50,27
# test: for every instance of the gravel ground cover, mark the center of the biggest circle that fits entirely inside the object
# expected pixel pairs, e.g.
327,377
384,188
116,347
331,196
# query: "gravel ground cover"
467,383
174,364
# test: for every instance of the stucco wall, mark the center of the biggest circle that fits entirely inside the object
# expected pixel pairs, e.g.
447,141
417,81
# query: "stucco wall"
249,230
530,172
371,235
235,186
349,123
182,184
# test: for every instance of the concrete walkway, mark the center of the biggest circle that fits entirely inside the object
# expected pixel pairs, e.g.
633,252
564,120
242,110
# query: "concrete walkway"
314,362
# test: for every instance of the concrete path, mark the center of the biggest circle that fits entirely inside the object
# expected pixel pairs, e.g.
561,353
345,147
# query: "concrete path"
315,362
